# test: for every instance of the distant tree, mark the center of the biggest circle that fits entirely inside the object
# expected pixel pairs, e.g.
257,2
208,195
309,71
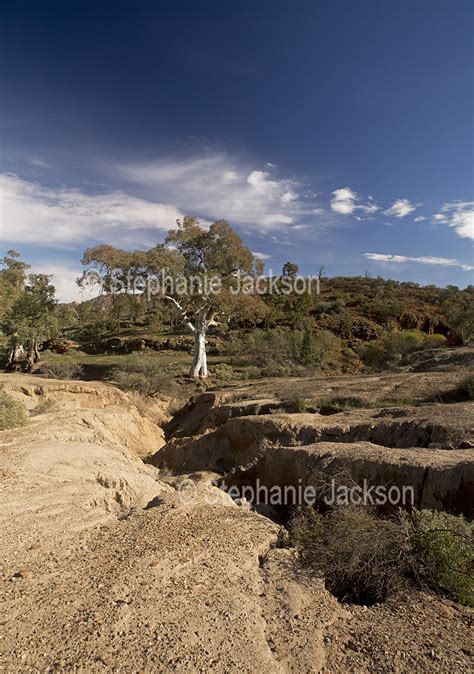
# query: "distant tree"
12,280
290,269
31,320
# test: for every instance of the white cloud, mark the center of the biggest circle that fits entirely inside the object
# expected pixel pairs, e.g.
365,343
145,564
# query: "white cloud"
345,201
39,162
64,280
32,213
400,208
426,259
276,219
460,216
260,256
218,186
419,218
229,177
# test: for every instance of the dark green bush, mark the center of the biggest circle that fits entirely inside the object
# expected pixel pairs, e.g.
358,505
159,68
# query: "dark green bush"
443,546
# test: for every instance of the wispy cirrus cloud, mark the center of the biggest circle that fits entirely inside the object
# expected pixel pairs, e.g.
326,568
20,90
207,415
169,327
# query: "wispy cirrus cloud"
400,208
219,186
460,216
36,161
425,259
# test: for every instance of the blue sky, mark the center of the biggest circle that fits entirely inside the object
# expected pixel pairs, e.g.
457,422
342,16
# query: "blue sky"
326,131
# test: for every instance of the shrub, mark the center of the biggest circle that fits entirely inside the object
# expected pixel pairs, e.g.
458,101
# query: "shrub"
393,347
466,388
272,348
364,558
12,413
434,341
223,372
339,404
142,373
443,546
361,556
64,368
294,399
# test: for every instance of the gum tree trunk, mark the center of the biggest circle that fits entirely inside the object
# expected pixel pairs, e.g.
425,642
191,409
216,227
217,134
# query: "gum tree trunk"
16,357
20,359
199,327
199,365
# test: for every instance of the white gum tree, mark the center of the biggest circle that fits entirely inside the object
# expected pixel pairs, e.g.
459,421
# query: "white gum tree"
214,262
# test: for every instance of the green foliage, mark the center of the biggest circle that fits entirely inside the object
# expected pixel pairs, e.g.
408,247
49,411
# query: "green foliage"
12,413
443,545
223,372
290,269
306,527
459,309
308,351
364,558
393,347
32,315
143,373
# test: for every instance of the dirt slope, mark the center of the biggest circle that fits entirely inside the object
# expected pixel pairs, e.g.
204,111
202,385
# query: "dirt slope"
106,567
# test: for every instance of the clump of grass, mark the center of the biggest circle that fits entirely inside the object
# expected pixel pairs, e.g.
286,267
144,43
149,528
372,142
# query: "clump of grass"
365,558
61,368
12,412
340,404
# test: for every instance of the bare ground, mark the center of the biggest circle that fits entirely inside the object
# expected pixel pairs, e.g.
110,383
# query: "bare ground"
107,567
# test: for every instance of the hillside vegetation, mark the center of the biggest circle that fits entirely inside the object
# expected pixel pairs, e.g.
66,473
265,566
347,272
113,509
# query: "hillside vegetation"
353,324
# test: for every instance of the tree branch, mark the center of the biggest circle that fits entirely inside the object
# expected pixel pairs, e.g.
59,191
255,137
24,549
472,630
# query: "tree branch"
182,311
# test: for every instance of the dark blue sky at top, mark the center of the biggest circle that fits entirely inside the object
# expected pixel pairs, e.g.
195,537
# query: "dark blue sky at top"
372,95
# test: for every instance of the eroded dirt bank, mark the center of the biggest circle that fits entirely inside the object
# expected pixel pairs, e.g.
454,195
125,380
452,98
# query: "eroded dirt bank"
427,447
107,567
